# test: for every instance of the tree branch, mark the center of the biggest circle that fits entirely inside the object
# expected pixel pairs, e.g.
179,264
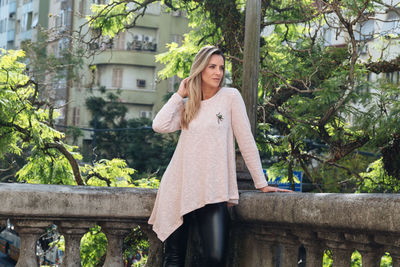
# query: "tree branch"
71,160
99,176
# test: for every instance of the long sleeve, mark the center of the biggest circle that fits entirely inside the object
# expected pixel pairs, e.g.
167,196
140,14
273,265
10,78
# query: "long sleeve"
168,118
244,137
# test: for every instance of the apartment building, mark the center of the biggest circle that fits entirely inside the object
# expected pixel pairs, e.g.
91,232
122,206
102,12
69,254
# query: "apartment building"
20,21
126,64
59,39
8,9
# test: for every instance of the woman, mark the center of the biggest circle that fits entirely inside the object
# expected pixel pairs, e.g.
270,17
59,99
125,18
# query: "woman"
201,177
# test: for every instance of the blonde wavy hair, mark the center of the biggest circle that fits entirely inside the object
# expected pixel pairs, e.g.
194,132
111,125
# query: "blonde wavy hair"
193,83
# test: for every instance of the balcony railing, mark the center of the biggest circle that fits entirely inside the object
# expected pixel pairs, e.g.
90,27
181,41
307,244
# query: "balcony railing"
267,229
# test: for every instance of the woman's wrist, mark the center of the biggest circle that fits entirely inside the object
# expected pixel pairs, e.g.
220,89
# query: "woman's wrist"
180,93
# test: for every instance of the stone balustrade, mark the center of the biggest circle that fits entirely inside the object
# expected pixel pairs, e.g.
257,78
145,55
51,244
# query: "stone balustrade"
267,229
75,209
271,229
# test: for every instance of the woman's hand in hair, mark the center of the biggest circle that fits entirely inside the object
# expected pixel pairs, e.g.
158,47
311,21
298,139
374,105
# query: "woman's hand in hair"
183,90
271,189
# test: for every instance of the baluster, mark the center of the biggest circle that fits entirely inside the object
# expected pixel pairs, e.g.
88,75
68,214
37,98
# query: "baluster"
156,247
370,258
337,243
290,254
395,260
238,242
115,232
29,231
314,250
73,232
290,249
341,257
265,249
314,255
251,246
395,254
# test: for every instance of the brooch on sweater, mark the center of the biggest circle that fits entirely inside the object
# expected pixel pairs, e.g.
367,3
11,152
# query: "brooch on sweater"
219,117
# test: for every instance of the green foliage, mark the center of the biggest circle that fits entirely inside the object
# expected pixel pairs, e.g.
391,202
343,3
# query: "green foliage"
110,19
178,59
15,107
327,260
93,247
74,132
115,172
376,180
48,167
26,125
386,260
356,259
147,183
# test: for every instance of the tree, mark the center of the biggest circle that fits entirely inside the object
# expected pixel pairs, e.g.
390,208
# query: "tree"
26,123
132,140
307,90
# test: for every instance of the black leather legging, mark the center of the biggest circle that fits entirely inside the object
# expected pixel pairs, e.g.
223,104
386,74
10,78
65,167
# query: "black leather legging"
212,221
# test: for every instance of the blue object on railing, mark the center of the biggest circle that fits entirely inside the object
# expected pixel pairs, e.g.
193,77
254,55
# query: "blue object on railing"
277,181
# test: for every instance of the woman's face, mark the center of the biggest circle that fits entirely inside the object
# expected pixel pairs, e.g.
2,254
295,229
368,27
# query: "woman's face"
213,73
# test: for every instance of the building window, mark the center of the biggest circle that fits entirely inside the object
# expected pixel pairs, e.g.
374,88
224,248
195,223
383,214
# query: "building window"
142,42
117,77
145,114
365,31
29,21
98,76
62,18
141,83
76,116
120,41
393,77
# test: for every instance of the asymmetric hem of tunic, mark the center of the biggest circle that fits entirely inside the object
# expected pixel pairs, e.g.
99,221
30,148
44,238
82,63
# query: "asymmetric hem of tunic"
203,168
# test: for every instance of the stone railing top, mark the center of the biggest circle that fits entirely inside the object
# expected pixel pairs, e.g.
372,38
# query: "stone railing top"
371,212
57,201
375,212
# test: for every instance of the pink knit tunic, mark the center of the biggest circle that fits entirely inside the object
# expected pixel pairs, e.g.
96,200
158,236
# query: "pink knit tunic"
202,169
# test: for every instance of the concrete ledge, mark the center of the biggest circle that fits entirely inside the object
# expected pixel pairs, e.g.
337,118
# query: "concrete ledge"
372,212
58,201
